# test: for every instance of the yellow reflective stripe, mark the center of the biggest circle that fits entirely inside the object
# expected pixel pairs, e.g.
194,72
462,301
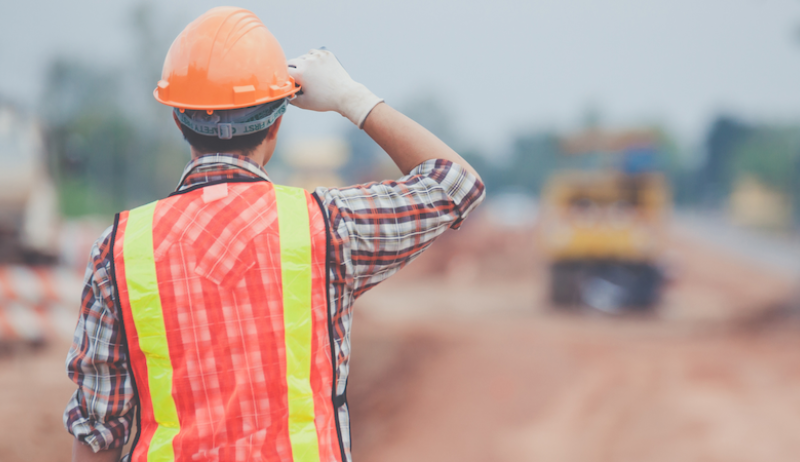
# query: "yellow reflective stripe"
145,302
295,237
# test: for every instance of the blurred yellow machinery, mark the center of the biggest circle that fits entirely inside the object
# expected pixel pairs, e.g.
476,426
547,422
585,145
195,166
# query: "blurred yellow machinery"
603,230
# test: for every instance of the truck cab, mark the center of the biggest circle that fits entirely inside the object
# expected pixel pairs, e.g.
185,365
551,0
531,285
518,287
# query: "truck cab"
602,232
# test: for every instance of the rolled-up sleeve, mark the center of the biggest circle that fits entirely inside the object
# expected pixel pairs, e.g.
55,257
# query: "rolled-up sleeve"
380,227
100,411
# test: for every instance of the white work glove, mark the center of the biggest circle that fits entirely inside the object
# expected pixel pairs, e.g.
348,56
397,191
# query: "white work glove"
328,87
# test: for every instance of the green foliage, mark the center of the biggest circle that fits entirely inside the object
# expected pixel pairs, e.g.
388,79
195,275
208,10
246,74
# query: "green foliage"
716,177
111,145
534,156
735,149
771,155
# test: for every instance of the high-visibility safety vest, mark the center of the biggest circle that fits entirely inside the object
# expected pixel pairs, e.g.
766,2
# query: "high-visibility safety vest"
223,294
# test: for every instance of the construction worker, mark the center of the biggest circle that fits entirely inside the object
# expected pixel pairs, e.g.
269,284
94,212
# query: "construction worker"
220,316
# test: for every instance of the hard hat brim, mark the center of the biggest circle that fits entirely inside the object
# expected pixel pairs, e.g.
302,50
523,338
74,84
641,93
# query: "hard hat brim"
220,107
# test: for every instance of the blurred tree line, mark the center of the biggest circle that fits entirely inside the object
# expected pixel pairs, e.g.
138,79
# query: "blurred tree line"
701,177
111,149
735,149
704,177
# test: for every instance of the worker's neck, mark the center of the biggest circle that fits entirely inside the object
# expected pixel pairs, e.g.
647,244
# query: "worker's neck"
258,156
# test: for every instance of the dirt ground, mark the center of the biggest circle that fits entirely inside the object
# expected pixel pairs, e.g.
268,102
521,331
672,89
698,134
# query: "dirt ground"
34,389
479,367
460,357
563,390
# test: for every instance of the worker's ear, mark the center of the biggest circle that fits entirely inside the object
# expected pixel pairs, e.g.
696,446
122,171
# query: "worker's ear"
272,131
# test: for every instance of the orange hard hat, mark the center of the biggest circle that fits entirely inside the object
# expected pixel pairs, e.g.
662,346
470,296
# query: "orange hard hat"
225,59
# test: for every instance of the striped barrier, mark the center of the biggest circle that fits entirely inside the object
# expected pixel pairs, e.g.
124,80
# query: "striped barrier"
38,304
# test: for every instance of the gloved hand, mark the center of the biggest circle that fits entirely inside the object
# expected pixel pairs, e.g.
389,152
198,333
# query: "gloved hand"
328,87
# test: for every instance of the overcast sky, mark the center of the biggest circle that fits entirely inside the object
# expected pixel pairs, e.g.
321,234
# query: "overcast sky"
500,66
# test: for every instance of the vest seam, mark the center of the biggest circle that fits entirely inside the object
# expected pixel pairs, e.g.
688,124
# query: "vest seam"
121,315
334,381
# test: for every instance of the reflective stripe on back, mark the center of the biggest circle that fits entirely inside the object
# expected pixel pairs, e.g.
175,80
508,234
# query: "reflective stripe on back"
145,303
295,246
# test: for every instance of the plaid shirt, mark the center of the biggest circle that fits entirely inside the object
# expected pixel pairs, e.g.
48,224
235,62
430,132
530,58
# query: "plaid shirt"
375,229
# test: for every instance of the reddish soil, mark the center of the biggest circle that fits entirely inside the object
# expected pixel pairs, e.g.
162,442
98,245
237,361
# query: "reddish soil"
569,389
460,357
34,390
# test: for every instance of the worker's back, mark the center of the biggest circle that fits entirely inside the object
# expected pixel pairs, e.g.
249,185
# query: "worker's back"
215,289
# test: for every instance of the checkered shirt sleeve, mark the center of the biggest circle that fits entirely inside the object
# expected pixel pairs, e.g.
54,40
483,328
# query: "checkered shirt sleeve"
375,230
380,227
99,412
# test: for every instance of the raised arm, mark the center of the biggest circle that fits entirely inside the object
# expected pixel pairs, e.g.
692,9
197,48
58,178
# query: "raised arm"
328,87
407,142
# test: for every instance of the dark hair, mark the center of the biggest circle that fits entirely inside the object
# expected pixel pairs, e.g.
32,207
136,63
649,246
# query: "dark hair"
211,144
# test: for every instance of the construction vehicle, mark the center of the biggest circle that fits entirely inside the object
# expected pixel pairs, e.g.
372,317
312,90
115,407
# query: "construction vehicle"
603,229
28,201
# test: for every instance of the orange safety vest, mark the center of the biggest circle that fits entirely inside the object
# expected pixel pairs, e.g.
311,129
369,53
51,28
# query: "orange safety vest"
223,295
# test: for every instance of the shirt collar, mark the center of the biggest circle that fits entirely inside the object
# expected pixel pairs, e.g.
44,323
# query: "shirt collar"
219,167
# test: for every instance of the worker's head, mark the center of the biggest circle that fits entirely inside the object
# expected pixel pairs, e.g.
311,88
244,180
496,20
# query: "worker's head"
227,78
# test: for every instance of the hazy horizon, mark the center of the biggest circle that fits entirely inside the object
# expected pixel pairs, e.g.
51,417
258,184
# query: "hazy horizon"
499,67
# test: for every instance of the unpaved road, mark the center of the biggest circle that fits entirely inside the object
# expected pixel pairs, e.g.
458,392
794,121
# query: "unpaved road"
460,358
34,389
569,389
463,359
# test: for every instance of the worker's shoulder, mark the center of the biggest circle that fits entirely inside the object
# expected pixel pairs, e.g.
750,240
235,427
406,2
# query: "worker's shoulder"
427,177
380,187
101,247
